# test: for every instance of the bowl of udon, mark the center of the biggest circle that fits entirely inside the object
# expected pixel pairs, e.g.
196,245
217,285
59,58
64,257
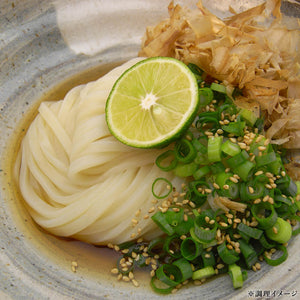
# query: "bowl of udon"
71,193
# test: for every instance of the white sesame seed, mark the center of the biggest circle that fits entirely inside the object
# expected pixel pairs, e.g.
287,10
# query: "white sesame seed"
151,210
216,186
233,179
259,138
74,263
262,148
258,173
242,145
120,276
134,221
135,283
208,133
114,271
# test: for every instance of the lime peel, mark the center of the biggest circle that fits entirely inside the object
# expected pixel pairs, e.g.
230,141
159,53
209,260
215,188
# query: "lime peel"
152,103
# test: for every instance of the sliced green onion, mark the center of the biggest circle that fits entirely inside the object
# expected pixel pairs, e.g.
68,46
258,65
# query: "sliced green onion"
204,245
203,273
167,161
206,95
236,275
155,246
172,246
156,185
205,231
220,88
185,268
265,243
174,218
214,148
291,190
208,258
281,232
237,159
257,190
185,170
228,256
250,231
190,248
199,146
248,252
255,144
201,159
276,167
244,170
201,172
279,199
160,290
161,221
196,70
259,124
278,261
296,231
227,108
237,128
185,151
223,222
164,272
232,191
297,204
208,119
195,195
222,177
217,167
265,159
230,148
265,214
249,116
298,187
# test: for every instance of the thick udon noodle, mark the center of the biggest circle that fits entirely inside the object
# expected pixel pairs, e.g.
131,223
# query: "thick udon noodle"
79,181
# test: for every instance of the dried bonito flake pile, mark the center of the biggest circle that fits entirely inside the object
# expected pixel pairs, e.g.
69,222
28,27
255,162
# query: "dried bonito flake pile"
252,50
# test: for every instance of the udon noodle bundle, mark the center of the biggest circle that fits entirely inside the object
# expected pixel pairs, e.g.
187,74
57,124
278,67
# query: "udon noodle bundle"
79,181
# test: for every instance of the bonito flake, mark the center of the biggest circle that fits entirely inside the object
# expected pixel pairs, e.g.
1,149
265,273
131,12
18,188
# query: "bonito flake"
252,50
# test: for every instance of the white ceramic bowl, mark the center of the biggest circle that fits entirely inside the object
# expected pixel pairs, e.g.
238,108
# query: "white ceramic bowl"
47,47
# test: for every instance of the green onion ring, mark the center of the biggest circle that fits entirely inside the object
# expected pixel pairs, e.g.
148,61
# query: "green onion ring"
278,261
163,157
168,184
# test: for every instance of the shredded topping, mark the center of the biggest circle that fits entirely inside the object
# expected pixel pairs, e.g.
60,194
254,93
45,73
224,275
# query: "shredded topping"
252,50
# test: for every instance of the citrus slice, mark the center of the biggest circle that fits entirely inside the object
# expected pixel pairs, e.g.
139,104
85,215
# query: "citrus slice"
152,103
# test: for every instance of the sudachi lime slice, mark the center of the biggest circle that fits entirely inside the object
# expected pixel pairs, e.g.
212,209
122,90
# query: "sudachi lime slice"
152,103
